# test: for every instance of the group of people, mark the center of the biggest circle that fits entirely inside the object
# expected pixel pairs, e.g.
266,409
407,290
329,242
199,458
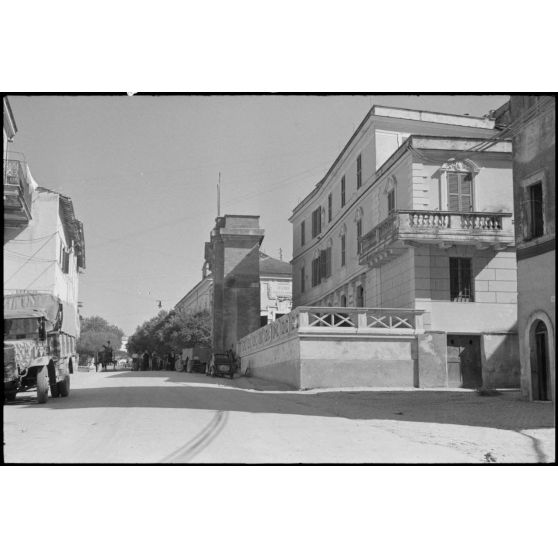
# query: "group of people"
153,361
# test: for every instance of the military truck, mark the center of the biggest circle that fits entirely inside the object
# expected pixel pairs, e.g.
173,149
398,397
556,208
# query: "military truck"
40,334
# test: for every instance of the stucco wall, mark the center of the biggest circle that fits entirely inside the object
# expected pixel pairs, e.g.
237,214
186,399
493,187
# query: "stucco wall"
536,276
31,259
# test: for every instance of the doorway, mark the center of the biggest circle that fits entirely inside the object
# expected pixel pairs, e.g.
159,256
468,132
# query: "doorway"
539,362
464,361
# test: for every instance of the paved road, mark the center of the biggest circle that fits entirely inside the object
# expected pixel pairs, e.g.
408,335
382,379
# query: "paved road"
169,417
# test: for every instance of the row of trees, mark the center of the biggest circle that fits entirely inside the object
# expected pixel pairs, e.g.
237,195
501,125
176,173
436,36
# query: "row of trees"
171,332
95,332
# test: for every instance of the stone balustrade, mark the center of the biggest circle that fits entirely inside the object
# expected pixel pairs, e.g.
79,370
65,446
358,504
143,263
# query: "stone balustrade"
488,228
338,321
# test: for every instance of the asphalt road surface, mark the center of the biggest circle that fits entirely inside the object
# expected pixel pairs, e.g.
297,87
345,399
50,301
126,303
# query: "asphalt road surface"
169,417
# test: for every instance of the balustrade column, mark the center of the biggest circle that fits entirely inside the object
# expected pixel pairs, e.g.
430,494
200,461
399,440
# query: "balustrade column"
303,318
361,320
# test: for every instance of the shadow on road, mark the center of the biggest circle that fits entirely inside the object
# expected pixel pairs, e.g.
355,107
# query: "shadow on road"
507,412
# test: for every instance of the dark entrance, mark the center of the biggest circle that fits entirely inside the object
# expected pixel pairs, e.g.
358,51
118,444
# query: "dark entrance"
539,361
464,361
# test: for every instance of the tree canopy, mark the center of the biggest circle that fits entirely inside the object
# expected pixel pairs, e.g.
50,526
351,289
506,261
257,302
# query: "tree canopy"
95,332
171,332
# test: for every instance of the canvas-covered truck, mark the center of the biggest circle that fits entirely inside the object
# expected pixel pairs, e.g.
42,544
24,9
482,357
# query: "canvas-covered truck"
40,334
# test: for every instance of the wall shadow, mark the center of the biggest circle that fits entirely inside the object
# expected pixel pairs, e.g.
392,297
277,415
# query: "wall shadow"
507,412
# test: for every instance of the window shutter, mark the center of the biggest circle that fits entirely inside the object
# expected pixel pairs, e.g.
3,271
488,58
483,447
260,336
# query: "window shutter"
453,192
466,192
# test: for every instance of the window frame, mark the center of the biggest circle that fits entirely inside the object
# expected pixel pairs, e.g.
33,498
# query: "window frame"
535,225
459,194
359,171
343,250
329,207
343,191
316,222
459,278
303,233
359,233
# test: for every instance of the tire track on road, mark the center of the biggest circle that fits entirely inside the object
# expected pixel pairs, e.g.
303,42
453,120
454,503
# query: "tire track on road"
200,441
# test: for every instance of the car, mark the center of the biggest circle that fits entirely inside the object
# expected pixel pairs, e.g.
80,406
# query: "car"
222,364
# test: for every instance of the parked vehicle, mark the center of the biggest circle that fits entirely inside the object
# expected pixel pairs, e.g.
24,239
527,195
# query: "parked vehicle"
196,358
40,334
222,364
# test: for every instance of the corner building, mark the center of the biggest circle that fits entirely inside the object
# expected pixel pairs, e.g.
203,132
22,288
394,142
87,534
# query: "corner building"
416,213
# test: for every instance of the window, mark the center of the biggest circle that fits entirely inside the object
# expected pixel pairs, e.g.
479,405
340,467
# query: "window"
343,301
316,222
359,171
343,191
302,280
315,271
460,191
66,262
342,250
321,266
360,296
329,207
534,212
302,233
461,280
391,201
359,234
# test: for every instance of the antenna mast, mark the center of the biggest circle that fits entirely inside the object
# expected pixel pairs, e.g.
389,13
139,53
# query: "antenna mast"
219,196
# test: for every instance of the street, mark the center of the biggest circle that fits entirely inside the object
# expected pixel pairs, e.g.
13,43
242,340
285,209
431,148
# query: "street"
169,417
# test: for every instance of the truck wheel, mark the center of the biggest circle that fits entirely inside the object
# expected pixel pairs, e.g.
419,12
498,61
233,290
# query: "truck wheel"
64,387
54,390
42,385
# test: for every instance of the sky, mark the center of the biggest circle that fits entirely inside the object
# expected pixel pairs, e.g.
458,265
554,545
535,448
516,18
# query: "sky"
142,172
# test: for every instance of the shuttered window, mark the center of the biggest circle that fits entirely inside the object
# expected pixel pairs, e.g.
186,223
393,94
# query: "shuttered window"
391,201
343,191
316,222
302,233
460,192
359,234
342,250
302,280
534,212
329,207
461,280
359,171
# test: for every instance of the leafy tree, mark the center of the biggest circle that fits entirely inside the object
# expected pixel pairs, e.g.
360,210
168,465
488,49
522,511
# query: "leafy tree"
95,332
172,331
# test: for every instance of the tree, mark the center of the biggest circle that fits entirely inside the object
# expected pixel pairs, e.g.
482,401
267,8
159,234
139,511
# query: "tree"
95,332
172,332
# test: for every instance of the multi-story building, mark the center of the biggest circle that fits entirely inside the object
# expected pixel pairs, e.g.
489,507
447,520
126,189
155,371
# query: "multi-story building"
416,213
275,290
18,182
531,121
48,254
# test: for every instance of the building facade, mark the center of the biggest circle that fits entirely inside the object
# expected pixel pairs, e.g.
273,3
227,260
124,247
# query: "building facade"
532,125
417,213
275,291
49,253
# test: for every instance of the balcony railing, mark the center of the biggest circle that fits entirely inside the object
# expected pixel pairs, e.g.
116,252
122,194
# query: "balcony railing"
335,321
482,228
17,193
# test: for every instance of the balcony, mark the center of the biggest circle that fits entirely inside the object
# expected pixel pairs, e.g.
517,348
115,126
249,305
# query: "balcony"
404,228
17,194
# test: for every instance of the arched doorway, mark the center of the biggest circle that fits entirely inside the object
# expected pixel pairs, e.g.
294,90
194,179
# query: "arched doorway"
540,372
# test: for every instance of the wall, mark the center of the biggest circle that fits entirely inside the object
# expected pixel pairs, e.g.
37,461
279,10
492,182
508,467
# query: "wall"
275,296
31,259
536,278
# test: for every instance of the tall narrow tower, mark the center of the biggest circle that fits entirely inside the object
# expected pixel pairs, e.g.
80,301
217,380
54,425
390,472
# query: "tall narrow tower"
232,255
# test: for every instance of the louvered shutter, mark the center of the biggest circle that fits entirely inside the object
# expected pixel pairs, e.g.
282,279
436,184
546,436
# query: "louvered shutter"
466,192
453,192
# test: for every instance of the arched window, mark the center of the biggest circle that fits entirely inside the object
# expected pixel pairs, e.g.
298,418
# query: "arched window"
458,185
343,301
360,296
